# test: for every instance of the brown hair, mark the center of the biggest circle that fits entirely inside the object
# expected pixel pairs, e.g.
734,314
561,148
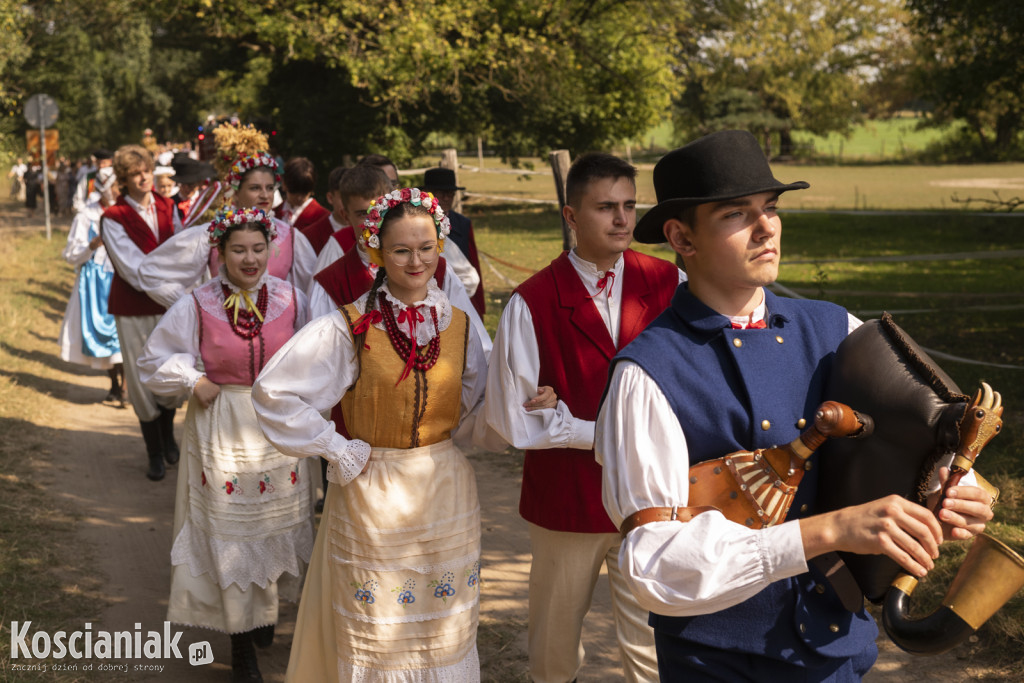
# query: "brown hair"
128,159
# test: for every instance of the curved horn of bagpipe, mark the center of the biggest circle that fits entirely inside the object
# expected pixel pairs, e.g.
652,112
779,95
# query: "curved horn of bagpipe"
990,575
922,422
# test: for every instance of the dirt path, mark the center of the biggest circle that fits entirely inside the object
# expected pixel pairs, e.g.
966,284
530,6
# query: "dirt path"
127,520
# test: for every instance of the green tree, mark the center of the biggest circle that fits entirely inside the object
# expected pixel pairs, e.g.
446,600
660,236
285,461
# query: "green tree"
778,67
971,67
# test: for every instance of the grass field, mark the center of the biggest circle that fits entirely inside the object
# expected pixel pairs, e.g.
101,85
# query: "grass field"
893,139
885,187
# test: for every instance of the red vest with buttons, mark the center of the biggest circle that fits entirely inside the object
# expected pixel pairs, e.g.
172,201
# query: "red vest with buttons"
562,486
124,299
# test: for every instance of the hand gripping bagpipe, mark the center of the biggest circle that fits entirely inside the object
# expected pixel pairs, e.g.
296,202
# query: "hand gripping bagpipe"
914,421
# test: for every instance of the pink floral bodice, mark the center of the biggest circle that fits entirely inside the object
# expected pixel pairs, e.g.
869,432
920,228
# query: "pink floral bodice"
227,357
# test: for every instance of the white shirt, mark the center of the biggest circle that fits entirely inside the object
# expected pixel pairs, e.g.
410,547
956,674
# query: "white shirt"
702,566
512,378
313,370
180,264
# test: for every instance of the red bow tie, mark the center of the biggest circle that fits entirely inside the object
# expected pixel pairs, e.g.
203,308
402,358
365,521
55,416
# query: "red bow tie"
603,284
757,325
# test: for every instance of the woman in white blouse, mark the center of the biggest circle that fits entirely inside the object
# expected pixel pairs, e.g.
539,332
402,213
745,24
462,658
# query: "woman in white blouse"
393,588
243,520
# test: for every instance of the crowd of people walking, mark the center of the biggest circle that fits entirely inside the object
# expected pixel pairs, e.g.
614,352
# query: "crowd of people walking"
341,349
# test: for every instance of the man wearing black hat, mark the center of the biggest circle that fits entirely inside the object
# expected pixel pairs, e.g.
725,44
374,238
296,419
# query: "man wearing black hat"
189,174
731,367
441,182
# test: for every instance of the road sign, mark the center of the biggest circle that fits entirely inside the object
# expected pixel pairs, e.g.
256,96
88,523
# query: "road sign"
41,111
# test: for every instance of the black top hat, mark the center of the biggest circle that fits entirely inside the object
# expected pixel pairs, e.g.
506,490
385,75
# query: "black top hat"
725,165
188,170
101,154
440,180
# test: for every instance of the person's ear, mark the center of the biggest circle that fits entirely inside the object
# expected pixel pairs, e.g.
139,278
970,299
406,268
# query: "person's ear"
679,237
569,215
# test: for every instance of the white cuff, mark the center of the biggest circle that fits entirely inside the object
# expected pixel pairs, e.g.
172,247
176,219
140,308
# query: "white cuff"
345,466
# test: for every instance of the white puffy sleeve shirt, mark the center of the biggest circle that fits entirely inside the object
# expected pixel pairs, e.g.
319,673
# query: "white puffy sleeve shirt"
310,374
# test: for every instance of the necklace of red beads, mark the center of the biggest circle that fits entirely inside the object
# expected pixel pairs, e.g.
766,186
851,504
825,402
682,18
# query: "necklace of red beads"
248,325
424,357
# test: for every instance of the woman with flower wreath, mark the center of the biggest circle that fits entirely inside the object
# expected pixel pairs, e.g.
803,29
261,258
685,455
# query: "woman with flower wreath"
243,519
170,272
393,589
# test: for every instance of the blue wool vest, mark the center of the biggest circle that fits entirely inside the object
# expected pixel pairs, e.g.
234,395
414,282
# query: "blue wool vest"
738,390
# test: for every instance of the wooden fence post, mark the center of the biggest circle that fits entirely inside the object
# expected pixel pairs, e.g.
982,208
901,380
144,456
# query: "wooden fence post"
559,159
450,159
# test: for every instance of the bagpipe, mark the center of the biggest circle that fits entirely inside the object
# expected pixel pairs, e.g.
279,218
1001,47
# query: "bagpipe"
910,420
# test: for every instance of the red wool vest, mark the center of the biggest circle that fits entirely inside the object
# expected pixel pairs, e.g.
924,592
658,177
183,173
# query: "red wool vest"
310,215
124,299
562,486
346,238
346,280
318,233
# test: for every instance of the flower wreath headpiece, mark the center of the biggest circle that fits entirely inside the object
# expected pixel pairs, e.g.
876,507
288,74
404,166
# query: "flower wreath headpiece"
248,162
370,235
231,215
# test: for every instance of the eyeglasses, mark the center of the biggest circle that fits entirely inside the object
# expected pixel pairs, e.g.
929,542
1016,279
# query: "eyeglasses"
403,256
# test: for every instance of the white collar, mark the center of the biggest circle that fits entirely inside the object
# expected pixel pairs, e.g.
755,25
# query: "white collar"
590,268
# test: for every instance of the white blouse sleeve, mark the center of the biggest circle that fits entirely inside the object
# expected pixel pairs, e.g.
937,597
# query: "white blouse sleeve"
461,266
512,380
303,263
125,254
331,252
677,569
302,315
307,377
320,302
456,293
167,365
177,266
77,251
474,381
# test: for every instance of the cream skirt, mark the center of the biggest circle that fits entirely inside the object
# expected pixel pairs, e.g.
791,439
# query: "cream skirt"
393,588
243,519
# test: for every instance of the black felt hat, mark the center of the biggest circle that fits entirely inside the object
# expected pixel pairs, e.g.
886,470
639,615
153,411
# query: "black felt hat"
725,165
439,180
188,170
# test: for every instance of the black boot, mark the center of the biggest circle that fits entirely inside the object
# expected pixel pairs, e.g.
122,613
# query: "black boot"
263,637
154,449
244,667
170,446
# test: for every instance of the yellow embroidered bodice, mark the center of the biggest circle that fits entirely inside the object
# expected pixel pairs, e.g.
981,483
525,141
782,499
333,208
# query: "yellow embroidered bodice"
423,409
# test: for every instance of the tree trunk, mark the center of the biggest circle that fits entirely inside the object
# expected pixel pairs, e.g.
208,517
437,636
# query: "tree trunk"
559,159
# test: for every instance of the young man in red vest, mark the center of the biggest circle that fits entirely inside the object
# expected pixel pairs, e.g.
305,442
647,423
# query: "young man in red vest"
561,328
135,225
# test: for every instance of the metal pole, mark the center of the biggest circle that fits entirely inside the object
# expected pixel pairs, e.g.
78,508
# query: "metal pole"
46,180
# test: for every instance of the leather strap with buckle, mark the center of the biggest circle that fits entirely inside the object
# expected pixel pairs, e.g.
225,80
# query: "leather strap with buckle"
661,514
